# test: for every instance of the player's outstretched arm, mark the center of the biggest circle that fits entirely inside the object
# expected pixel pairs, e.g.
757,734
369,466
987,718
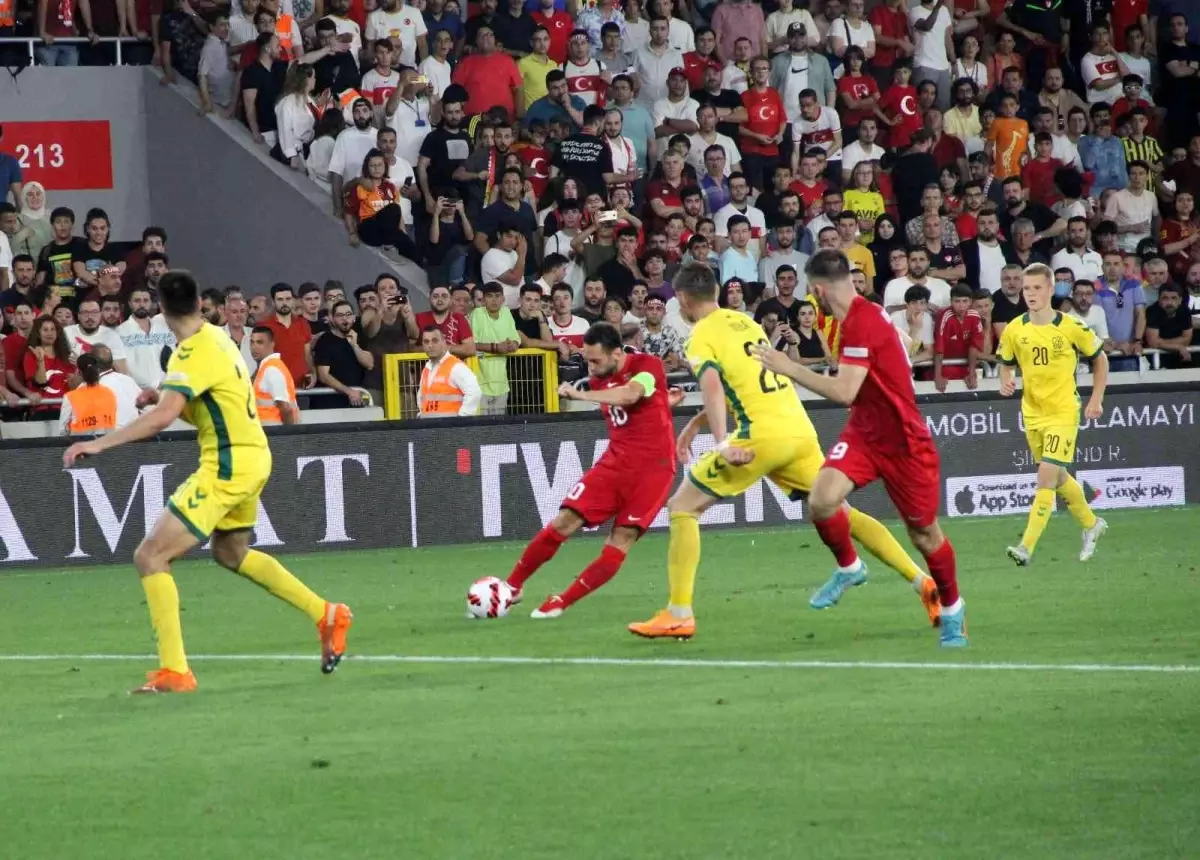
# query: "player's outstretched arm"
169,408
842,388
1095,404
623,395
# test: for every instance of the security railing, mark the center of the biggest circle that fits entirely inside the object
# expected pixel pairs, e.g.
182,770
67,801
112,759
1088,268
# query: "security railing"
33,42
532,382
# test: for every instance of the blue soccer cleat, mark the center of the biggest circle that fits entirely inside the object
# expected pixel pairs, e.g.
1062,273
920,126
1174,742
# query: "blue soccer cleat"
954,627
842,581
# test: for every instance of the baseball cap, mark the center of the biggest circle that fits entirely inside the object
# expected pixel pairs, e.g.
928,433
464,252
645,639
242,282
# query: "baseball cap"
678,70
797,29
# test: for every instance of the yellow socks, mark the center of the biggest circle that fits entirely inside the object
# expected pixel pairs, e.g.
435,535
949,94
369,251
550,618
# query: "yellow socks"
880,542
163,599
277,579
683,557
1077,504
1039,515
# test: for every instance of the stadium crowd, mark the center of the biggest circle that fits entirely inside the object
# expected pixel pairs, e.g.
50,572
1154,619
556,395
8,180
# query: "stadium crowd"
552,164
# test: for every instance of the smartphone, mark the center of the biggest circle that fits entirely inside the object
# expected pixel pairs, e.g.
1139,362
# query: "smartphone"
421,79
408,181
607,215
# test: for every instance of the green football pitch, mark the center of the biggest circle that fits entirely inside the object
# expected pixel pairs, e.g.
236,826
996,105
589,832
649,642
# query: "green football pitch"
1070,729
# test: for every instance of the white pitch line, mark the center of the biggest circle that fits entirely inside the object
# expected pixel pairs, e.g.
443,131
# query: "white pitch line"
649,662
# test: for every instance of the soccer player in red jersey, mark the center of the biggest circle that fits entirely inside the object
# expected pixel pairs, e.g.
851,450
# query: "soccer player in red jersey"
629,483
958,334
886,438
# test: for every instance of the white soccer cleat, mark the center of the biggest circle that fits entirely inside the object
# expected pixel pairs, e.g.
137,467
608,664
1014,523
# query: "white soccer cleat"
1019,555
1091,537
552,608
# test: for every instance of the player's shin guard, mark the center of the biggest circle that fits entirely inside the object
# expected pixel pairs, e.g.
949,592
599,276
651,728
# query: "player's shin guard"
539,551
265,570
600,571
1039,515
683,557
835,532
944,570
1076,501
162,597
880,542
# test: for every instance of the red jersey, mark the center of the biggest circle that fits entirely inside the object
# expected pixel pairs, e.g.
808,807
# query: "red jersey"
662,190
586,81
1038,177
967,226
948,150
537,167
694,66
954,337
810,195
58,372
454,327
884,412
1171,230
560,27
14,350
764,114
857,87
901,103
1125,13
892,24
643,433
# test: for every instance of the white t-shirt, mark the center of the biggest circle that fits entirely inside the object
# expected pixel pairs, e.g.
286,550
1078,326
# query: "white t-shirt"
1101,69
930,46
652,71
560,243
900,321
758,223
819,132
1126,209
349,150
681,36
494,264
1095,320
405,24
939,291
696,153
6,251
241,29
437,72
795,83
1088,266
82,342
665,109
637,35
674,318
244,346
143,350
376,88
856,152
991,263
779,21
344,26
397,174
841,29
572,332
412,125
733,78
977,73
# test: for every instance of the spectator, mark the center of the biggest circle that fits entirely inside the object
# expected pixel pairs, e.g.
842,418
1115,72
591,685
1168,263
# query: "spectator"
797,69
864,150
785,303
620,272
916,166
496,336
739,206
447,387
212,306
675,113
764,127
918,275
236,313
531,324
294,120
293,336
740,257
274,391
1084,308
585,75
47,365
594,293
95,252
24,273
32,228
933,38
636,122
959,336
665,196
407,112
1169,327
596,245
1139,146
916,321
1178,235
569,215
1102,154
215,73
310,308
350,151
932,201
261,85
1179,61
1009,300
558,103
534,69
565,327
509,212
258,309
945,261
439,19
146,340
654,62
55,263
1134,209
1102,69
89,333
860,258
456,331
404,26
490,78
783,253
659,339
335,64
444,150
505,262
1047,226
450,237
111,312
341,364
154,241
1077,255
706,138
64,316
12,384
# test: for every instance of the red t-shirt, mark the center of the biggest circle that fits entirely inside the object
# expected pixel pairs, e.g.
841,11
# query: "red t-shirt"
662,190
560,27
884,413
57,374
489,81
764,114
857,87
694,66
892,24
454,327
810,196
1171,231
640,435
537,167
953,338
901,102
967,226
1038,178
290,342
14,350
948,150
1125,13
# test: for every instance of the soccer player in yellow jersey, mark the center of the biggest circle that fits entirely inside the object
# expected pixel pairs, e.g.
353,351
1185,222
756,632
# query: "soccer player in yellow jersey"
208,385
773,439
1046,345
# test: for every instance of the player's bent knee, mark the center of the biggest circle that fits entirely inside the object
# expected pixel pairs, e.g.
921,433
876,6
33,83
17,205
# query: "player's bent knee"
623,538
926,539
566,522
229,549
148,558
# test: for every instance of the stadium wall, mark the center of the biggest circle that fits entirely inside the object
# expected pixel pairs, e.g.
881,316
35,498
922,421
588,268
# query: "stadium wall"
386,485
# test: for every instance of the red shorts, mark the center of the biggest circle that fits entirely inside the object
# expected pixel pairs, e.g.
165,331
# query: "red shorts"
912,478
628,496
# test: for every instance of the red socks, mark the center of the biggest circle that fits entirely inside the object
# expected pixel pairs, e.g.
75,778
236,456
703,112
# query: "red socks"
944,571
835,532
594,575
539,551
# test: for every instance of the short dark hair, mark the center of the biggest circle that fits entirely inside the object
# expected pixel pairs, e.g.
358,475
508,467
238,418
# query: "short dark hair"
281,287
961,291
530,288
827,266
158,257
553,261
917,293
363,290
178,293
262,329
697,281
213,295
593,114
333,308
492,287
62,212
7,208
604,335
563,287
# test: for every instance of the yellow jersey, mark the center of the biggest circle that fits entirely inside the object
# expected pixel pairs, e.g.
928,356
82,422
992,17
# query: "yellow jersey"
1048,355
862,259
865,204
762,403
208,369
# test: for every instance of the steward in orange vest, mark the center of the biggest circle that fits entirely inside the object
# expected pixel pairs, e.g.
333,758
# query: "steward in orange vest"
91,408
448,387
274,390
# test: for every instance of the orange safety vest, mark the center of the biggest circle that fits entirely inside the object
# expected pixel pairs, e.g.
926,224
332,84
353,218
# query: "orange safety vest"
93,409
438,395
283,29
7,14
268,412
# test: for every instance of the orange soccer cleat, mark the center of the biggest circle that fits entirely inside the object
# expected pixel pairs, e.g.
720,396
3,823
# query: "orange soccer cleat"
167,681
931,601
333,628
664,625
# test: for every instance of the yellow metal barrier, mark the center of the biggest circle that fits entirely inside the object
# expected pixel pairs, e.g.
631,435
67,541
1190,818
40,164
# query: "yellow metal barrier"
532,380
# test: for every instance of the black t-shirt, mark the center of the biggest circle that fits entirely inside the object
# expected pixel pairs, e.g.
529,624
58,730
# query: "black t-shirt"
336,73
55,263
724,99
10,298
515,34
947,258
531,328
500,214
446,151
1168,326
790,315
268,84
618,280
1005,311
1043,219
1174,91
1082,16
585,158
94,260
336,353
1038,16
911,174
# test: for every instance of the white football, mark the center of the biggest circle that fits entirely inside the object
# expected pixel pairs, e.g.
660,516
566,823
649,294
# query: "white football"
489,598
